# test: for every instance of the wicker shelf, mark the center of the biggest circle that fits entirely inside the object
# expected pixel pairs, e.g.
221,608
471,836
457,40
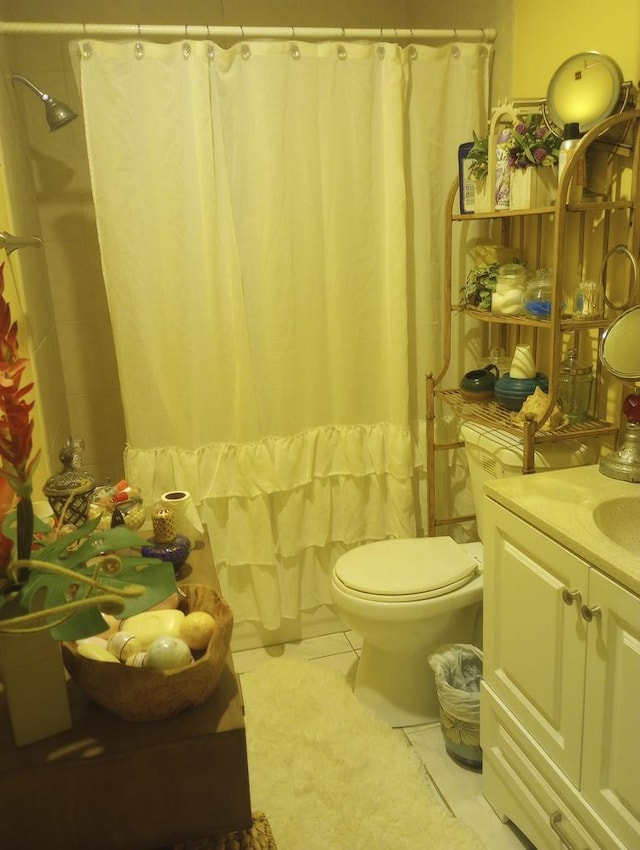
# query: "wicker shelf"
586,206
539,234
567,322
493,415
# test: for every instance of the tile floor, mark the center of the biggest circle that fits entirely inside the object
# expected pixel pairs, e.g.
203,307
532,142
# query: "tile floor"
460,787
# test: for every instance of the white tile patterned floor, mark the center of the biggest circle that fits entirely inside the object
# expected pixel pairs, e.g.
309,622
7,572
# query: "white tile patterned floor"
460,787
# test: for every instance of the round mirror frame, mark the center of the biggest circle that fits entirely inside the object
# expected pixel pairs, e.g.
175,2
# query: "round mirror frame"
619,349
585,90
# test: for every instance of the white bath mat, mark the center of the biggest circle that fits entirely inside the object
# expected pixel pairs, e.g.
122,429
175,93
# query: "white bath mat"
330,775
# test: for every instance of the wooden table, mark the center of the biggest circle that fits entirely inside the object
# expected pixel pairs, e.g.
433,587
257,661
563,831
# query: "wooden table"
109,784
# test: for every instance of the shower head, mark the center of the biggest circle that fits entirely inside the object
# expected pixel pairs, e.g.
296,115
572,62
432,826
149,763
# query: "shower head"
57,113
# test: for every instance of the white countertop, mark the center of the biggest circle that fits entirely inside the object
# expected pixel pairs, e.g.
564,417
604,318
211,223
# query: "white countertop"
561,503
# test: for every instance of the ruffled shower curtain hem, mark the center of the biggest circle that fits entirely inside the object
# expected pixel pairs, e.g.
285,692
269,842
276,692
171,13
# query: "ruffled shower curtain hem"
274,498
274,464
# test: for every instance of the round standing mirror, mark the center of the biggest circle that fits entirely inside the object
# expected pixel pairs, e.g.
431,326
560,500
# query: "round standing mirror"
584,90
619,348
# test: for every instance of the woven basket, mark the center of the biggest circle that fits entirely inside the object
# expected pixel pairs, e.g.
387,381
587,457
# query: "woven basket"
143,694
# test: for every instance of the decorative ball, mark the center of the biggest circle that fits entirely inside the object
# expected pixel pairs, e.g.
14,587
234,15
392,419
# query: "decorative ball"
166,653
196,629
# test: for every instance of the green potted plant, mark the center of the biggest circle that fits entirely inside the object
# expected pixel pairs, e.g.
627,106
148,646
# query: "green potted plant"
480,284
533,158
478,158
533,144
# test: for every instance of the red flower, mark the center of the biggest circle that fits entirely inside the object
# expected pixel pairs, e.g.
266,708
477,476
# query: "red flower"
16,426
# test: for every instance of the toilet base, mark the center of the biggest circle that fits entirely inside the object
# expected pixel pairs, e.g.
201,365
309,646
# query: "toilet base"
397,686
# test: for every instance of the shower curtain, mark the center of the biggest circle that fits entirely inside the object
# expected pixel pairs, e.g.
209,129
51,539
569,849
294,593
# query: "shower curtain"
270,225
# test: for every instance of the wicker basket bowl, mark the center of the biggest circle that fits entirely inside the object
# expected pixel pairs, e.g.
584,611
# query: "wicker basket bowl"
143,694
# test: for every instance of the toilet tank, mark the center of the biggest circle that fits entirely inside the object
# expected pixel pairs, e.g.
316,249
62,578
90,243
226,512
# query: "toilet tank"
492,453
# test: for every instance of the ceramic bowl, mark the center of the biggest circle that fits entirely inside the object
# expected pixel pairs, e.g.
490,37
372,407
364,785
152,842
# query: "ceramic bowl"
513,392
478,384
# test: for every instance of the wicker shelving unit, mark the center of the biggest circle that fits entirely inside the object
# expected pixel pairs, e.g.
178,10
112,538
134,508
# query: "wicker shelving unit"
568,237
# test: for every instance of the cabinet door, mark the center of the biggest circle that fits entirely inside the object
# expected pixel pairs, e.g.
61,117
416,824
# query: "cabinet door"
534,641
612,709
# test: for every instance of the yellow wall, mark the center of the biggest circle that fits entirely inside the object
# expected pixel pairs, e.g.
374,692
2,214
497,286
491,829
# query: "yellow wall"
547,32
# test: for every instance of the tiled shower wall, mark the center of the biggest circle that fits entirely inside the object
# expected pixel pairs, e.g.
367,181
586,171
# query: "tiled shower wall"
73,354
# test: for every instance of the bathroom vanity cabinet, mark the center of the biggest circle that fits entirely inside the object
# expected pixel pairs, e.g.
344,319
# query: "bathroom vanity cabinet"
598,236
559,701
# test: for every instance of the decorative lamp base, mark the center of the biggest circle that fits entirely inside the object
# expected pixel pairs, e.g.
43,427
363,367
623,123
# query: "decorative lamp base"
174,551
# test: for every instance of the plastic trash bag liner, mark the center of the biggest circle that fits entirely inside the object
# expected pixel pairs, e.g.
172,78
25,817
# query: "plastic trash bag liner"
458,673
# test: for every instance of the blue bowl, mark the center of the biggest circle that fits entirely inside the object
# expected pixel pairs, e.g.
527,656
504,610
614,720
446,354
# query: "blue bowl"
512,392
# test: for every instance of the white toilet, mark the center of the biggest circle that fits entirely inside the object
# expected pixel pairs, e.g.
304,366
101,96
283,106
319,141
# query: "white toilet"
408,597
405,598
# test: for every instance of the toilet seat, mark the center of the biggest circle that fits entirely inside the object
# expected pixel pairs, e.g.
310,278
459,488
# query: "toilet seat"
406,570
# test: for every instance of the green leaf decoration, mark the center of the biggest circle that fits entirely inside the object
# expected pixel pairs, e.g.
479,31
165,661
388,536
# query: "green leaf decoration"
153,579
104,572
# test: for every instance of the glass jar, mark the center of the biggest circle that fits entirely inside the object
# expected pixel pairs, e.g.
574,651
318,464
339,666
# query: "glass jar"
498,358
574,387
510,287
588,300
537,301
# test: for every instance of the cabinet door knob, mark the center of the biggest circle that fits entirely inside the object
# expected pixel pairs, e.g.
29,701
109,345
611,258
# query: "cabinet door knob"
593,613
571,596
554,823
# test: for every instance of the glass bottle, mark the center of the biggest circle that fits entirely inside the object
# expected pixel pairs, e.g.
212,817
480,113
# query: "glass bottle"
574,387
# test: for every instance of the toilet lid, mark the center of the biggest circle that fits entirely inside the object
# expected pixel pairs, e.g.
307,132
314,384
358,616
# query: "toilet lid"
405,570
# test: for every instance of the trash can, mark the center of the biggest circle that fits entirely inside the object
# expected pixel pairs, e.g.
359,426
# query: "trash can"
458,673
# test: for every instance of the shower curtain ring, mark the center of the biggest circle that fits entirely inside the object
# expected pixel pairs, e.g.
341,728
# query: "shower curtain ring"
242,32
344,34
139,32
186,30
293,33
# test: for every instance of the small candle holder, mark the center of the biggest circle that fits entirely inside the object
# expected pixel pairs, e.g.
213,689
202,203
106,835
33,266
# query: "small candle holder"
166,544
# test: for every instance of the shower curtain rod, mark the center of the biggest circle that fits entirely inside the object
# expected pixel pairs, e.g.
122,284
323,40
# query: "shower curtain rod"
215,31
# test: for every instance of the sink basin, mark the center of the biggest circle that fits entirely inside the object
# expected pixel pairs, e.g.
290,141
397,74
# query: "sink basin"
619,520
